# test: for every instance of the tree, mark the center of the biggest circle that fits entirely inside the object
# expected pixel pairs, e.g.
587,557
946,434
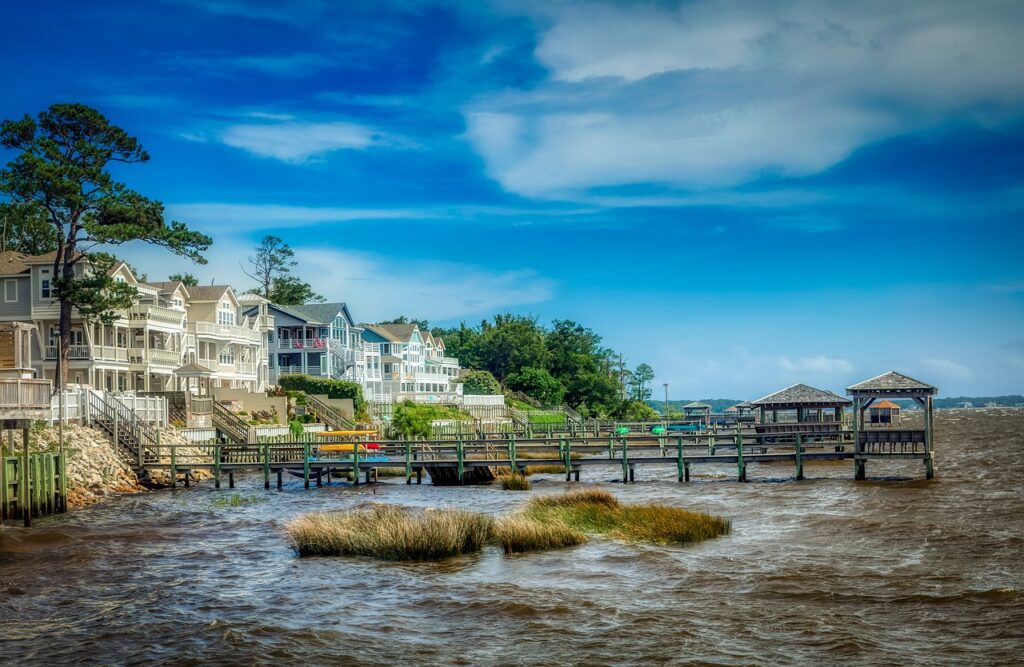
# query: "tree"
187,279
290,291
423,325
480,382
512,343
273,258
539,384
61,165
636,411
461,342
26,229
642,376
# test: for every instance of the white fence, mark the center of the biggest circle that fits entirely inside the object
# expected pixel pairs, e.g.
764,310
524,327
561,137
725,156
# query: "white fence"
483,399
150,409
279,430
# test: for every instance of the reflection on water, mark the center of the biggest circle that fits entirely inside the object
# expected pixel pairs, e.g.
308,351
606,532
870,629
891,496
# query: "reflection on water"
825,570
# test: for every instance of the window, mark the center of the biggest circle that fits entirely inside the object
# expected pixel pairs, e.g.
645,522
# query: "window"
44,284
10,291
225,316
227,355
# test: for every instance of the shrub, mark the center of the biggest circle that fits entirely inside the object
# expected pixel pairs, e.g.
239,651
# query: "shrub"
417,419
480,382
636,411
539,384
514,482
332,388
516,534
388,532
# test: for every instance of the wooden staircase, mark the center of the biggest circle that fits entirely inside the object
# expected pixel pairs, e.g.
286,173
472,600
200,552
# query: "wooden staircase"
328,414
114,418
233,427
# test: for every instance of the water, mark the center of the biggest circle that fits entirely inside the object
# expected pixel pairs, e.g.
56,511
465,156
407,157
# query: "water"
823,571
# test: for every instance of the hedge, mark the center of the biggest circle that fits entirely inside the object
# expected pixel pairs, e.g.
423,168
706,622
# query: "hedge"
333,388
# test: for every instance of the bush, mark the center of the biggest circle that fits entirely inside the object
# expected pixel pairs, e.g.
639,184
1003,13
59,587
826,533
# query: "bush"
539,384
332,388
636,411
417,419
480,382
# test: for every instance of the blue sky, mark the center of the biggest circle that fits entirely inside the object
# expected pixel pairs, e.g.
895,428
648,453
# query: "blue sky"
744,197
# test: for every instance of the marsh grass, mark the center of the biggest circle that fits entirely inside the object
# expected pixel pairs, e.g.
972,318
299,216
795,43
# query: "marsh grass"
388,532
514,482
237,500
390,472
518,533
599,512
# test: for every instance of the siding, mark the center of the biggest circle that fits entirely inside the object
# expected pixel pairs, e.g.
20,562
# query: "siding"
22,308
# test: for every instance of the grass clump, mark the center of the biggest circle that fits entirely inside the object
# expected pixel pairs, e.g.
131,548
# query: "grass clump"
518,534
388,532
237,500
599,512
514,482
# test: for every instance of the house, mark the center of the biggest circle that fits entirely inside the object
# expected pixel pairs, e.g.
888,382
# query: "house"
169,326
413,364
318,339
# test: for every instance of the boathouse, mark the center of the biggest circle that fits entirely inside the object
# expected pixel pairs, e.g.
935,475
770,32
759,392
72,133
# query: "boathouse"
883,414
891,385
800,408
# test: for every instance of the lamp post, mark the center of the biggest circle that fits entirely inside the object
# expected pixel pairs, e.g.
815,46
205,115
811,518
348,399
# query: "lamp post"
665,384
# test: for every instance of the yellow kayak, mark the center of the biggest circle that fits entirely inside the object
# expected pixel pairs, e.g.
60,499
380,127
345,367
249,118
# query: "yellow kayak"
330,433
342,447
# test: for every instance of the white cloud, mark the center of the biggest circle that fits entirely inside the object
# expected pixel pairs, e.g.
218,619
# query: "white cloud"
232,217
710,95
298,141
947,368
820,365
374,287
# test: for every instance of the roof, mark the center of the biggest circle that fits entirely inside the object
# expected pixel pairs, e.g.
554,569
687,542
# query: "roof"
801,394
892,382
882,405
169,286
12,263
696,405
732,408
192,369
390,359
744,404
207,292
314,313
400,333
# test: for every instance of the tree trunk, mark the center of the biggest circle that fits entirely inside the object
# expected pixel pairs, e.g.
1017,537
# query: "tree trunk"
63,346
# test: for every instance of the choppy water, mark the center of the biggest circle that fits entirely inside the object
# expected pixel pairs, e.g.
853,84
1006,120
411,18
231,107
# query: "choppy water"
822,571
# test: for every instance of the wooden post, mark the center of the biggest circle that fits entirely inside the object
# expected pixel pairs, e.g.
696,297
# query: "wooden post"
355,464
680,466
174,467
799,457
625,461
280,482
231,479
741,468
408,462
266,465
459,455
305,462
929,467
859,465
567,457
216,466
23,481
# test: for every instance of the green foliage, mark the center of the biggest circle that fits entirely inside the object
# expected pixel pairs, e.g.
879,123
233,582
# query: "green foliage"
290,291
423,325
416,420
636,411
187,279
512,343
332,388
640,379
25,228
61,166
271,268
480,382
295,427
238,500
537,383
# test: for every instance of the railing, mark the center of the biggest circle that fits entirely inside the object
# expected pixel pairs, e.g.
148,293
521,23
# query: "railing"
440,398
73,406
276,431
225,331
328,413
24,393
483,399
120,422
140,355
314,344
149,409
109,353
74,352
230,424
525,398
201,405
156,314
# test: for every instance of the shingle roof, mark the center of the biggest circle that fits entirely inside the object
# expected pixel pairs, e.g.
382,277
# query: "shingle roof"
192,369
169,286
399,332
696,405
324,313
390,359
802,394
891,381
882,405
12,263
207,292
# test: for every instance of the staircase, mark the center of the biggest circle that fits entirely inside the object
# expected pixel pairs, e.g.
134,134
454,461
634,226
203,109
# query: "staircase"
328,414
518,417
231,425
572,418
114,418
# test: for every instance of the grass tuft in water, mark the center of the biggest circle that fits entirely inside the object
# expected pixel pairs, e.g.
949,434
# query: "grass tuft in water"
514,482
599,512
388,532
238,500
518,533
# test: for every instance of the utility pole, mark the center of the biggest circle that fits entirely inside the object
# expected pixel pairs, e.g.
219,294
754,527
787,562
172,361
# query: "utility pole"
665,384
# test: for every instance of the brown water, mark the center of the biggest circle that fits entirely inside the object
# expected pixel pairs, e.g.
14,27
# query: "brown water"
887,571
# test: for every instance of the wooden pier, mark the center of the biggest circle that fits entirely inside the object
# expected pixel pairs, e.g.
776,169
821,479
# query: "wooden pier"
740,448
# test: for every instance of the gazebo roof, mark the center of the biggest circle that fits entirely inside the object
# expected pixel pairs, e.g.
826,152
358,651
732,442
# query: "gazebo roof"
801,395
884,405
192,370
891,384
696,405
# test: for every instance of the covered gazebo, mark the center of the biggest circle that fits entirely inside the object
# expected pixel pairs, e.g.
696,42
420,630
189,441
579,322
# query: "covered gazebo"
800,408
883,414
697,412
892,385
194,378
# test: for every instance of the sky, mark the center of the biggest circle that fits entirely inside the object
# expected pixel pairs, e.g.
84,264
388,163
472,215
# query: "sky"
744,195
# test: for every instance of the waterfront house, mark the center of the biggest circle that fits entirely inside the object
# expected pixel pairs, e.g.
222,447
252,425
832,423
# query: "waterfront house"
411,368
318,339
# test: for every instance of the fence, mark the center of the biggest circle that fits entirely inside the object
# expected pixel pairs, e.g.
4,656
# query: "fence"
483,399
149,409
45,493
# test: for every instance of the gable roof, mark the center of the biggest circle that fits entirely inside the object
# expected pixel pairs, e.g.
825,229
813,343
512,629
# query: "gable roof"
208,292
801,394
12,263
315,313
892,382
398,333
169,286
883,405
696,405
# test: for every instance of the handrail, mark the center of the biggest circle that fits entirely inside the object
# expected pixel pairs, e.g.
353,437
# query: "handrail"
130,432
334,418
231,424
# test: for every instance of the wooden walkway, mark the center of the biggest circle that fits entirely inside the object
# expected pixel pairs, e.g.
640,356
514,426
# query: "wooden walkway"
627,452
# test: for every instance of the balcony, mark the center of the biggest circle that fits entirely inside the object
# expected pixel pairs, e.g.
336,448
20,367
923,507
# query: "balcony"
25,399
109,353
230,332
142,356
156,315
75,352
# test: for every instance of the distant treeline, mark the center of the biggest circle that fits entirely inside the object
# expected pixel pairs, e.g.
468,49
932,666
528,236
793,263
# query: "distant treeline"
717,404
976,401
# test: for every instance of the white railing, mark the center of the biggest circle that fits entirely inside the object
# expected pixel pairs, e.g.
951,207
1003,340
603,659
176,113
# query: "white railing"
74,406
446,398
109,353
140,355
156,315
232,331
150,409
74,352
198,434
483,399
274,431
